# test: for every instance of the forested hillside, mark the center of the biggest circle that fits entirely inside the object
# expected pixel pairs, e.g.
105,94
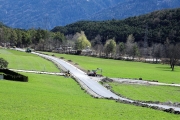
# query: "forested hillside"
158,26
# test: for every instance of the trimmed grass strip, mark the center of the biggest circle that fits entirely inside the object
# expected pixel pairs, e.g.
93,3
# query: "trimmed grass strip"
148,92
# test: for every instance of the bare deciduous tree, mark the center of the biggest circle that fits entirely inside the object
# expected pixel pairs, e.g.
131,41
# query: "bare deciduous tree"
131,47
173,53
157,51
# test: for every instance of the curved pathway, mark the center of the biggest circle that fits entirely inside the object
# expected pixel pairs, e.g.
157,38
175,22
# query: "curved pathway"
94,85
77,73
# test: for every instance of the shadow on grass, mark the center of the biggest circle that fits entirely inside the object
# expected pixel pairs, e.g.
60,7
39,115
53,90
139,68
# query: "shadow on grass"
168,69
164,67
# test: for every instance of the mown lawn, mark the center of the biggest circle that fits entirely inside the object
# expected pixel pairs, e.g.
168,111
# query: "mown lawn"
26,61
148,92
126,69
55,98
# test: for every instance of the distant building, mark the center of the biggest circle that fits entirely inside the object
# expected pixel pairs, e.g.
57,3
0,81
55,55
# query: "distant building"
64,49
87,52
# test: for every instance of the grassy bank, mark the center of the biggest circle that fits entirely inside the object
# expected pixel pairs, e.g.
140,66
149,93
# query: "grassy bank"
26,61
148,92
54,97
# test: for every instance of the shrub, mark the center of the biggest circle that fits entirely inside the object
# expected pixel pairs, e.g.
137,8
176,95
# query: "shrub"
3,63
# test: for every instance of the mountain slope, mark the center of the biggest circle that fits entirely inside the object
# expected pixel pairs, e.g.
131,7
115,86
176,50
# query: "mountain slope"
133,8
48,13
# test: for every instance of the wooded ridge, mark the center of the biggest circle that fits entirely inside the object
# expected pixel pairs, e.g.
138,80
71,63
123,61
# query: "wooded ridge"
158,26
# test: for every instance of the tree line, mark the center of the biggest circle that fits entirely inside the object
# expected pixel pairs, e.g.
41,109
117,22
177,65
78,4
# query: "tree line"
38,39
167,53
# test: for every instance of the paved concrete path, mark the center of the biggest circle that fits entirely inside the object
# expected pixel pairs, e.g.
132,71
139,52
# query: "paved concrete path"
78,74
38,72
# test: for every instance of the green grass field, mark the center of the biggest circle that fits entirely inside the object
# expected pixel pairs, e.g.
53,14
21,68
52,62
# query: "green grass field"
55,97
58,98
127,69
148,92
26,61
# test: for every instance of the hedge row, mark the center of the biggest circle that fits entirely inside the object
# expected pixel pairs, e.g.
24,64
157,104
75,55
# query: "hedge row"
14,76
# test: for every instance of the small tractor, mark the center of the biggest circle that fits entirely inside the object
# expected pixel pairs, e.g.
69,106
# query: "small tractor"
91,73
94,72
